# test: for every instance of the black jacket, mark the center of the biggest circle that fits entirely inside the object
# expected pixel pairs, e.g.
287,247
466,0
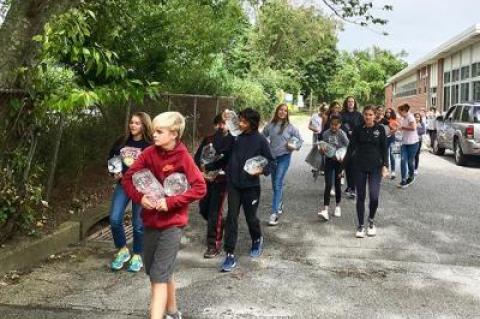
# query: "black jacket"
244,147
350,120
368,150
221,144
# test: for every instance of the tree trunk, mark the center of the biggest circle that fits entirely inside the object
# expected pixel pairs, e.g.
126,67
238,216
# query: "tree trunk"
24,19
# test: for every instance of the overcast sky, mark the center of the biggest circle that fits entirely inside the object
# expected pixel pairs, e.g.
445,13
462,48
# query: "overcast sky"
416,26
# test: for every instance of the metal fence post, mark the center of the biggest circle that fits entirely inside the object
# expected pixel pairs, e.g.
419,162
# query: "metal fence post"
169,102
217,107
194,133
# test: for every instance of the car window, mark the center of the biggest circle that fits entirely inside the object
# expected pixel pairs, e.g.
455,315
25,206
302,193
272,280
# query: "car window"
465,114
458,112
449,113
476,114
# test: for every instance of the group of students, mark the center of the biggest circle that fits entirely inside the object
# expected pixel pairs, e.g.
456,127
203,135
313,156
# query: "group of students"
156,145
373,138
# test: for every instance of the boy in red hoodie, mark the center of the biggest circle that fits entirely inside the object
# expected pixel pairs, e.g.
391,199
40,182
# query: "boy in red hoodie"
164,222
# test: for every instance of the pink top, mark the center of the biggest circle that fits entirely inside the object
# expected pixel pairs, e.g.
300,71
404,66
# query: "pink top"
409,137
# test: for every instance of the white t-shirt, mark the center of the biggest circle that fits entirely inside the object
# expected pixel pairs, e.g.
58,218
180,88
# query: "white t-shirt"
409,137
316,122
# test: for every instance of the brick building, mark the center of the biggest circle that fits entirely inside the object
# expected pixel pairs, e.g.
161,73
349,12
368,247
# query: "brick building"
448,75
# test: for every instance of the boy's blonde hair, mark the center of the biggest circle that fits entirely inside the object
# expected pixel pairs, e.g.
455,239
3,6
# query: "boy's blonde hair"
173,121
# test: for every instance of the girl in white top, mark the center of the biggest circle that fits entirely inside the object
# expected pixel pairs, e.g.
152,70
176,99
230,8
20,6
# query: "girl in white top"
409,145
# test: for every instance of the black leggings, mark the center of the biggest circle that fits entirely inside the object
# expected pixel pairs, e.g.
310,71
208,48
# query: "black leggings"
332,168
374,179
417,156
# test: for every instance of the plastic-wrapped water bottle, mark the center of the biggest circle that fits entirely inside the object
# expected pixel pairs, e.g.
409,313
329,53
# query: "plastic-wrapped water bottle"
255,165
115,165
340,153
231,121
175,184
329,148
146,183
294,143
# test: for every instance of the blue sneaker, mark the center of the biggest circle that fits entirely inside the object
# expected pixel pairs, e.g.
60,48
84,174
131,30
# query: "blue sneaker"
120,259
135,263
257,248
229,263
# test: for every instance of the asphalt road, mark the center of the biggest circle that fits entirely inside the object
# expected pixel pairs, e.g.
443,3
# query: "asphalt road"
424,262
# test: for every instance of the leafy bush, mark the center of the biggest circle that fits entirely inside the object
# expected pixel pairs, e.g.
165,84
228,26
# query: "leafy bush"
20,195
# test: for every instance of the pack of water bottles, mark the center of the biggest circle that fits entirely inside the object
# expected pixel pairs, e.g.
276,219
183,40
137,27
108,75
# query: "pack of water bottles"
115,165
255,165
231,121
146,183
294,143
328,148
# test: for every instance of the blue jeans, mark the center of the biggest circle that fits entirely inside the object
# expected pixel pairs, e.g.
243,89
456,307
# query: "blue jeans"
408,160
278,175
117,211
390,142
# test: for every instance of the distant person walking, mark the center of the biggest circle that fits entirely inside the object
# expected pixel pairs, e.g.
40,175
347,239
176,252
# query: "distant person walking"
368,153
337,138
421,130
279,133
391,117
351,118
409,145
314,158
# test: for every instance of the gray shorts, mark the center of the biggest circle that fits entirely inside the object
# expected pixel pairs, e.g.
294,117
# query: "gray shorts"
160,252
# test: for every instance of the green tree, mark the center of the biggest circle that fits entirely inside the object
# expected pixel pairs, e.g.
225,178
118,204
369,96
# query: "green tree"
363,74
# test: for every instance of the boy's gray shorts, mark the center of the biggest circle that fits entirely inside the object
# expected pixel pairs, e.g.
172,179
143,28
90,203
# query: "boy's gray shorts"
160,252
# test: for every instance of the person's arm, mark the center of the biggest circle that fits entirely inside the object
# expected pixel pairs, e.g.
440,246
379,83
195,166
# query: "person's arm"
197,189
226,151
198,153
296,133
344,139
412,124
352,145
266,130
127,181
266,152
383,146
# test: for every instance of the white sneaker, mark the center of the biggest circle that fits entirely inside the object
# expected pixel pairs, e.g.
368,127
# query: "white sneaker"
393,175
360,232
323,214
332,192
415,172
338,212
273,220
371,230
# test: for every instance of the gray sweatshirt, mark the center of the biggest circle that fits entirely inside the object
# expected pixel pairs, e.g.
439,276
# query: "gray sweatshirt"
339,139
278,140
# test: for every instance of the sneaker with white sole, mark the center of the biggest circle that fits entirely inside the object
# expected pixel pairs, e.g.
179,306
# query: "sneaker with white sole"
273,220
371,230
332,192
323,214
121,257
338,212
360,232
176,315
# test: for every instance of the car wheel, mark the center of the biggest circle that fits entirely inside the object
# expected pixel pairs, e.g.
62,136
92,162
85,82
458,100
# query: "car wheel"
459,156
437,150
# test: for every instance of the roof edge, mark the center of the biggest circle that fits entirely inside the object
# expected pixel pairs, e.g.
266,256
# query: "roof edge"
436,53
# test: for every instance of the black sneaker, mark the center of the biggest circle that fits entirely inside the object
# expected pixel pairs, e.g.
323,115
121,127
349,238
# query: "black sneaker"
410,180
403,184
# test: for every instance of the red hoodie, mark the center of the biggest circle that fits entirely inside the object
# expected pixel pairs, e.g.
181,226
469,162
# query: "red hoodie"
163,163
